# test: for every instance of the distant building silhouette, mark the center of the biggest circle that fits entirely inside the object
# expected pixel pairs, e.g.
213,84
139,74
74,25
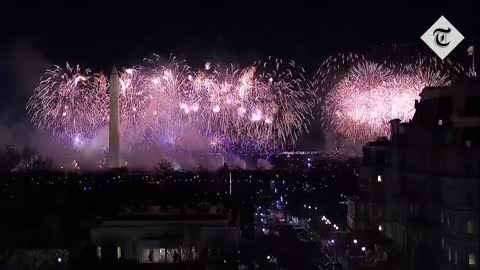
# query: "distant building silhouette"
419,191
202,234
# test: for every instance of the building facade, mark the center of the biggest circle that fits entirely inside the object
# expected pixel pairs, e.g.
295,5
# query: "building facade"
420,189
168,235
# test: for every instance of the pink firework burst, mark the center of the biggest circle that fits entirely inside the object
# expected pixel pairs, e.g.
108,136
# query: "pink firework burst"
359,106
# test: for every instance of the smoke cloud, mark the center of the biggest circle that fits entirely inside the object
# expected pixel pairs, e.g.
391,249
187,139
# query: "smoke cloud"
25,67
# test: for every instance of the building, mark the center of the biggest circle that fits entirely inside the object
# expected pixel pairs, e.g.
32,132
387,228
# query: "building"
201,234
419,190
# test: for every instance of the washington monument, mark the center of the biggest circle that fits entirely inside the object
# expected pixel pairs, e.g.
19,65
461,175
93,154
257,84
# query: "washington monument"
114,125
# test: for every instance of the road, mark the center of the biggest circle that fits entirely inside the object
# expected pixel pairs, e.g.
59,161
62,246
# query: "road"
293,247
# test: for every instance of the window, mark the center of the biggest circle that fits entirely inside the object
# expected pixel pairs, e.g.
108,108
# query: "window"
379,178
440,122
380,227
445,107
159,255
99,252
380,212
468,143
119,252
469,198
414,209
388,231
470,227
471,259
153,255
471,106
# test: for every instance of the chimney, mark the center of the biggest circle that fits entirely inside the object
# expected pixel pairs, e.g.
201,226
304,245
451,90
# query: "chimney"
394,129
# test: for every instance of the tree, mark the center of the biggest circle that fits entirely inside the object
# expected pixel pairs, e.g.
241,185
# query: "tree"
31,161
164,167
9,158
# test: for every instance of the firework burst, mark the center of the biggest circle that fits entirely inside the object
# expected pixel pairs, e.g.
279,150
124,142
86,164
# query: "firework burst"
360,96
261,107
69,101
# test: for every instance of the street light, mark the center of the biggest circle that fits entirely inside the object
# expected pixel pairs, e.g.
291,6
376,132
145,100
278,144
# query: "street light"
363,249
268,257
355,241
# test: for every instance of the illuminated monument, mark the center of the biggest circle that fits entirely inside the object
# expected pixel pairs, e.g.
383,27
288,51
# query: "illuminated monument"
114,125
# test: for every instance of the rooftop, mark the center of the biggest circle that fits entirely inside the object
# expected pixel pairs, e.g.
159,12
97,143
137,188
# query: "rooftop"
168,213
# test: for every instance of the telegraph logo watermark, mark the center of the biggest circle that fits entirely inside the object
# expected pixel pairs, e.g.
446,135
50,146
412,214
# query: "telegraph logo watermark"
442,37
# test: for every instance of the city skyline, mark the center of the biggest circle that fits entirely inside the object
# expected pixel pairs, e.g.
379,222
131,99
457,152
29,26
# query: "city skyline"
302,34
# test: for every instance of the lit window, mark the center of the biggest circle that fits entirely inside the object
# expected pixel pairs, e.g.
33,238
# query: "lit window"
99,252
119,252
471,259
379,178
468,143
470,226
440,122
380,228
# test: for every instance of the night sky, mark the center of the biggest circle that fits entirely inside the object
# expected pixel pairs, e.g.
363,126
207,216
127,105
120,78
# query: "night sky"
100,36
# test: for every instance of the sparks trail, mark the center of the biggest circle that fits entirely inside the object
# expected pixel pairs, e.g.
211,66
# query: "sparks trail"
69,102
263,106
